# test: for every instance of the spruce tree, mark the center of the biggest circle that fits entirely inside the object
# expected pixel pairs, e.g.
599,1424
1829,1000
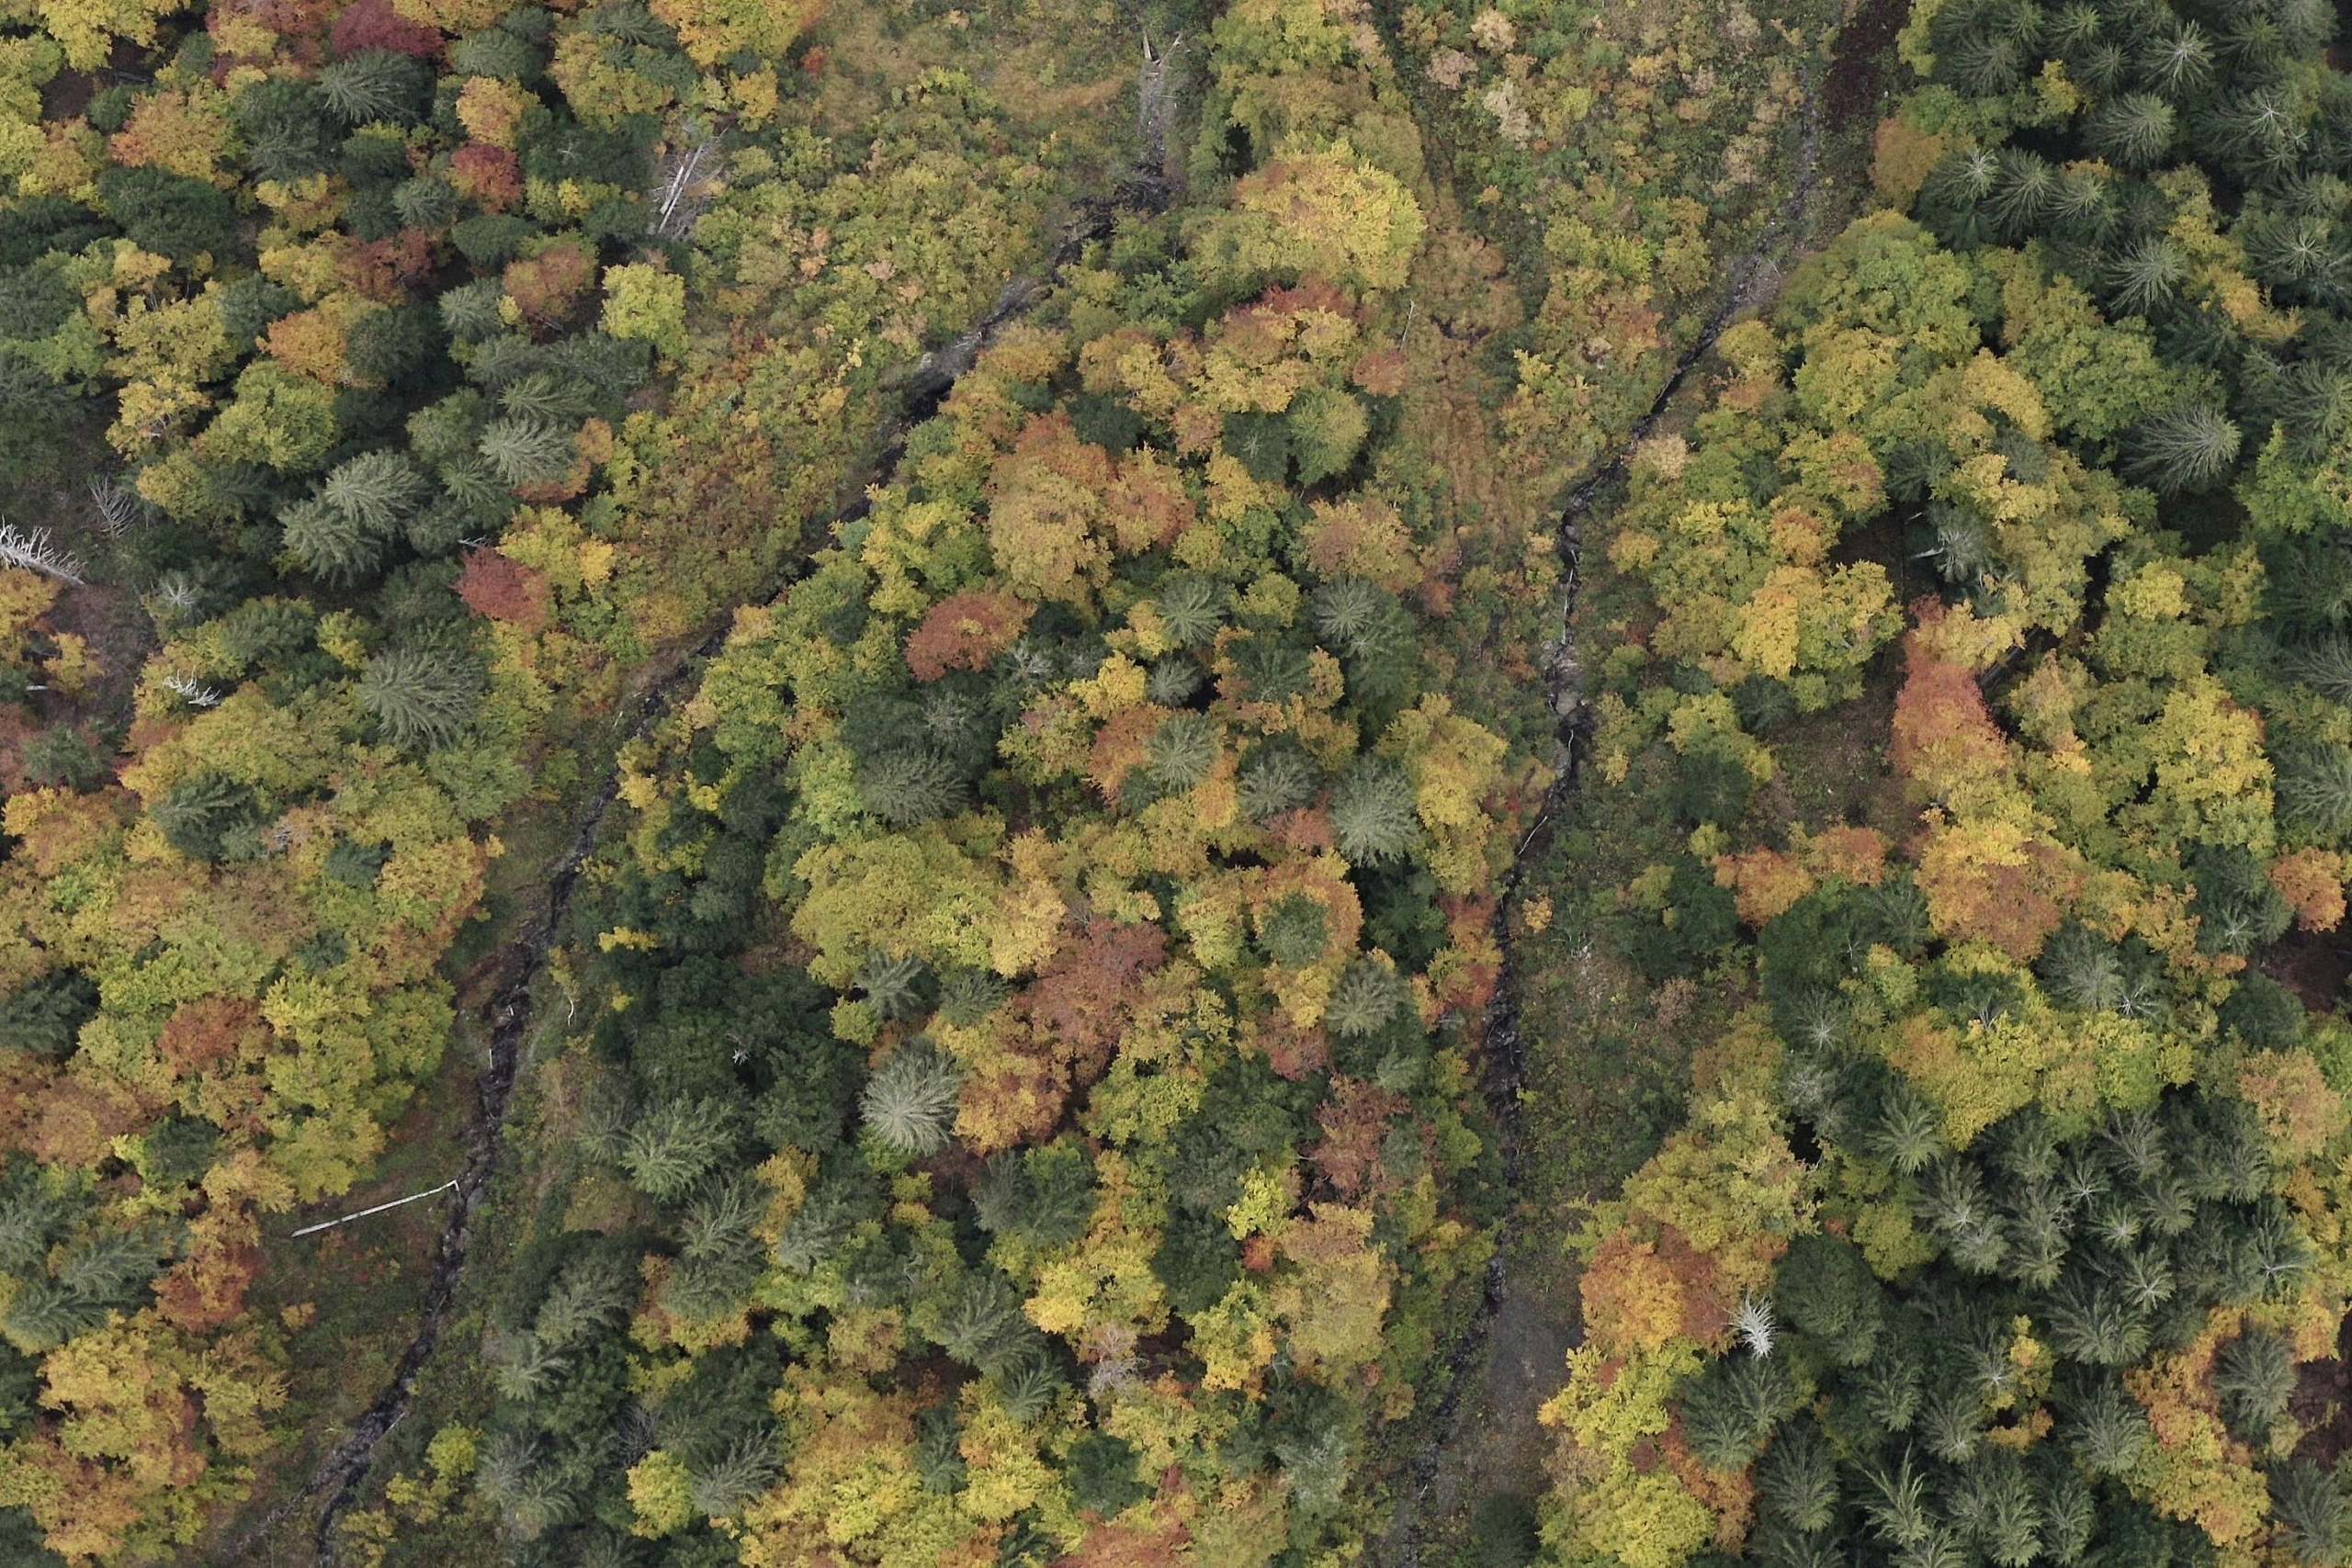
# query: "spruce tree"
1374,814
1191,609
1367,996
526,450
674,1146
910,1102
2133,131
906,786
2254,1375
2314,789
1279,776
422,695
2183,449
328,543
1294,931
896,984
1180,753
376,84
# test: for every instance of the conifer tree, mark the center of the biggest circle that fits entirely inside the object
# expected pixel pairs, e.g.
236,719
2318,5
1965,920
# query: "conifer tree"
422,694
910,1102
1373,813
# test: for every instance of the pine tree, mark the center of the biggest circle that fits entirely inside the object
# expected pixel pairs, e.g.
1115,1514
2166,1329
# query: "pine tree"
423,696
910,1102
1374,814
2183,449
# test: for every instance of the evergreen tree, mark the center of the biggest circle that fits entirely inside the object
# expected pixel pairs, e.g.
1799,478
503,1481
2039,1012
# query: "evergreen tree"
2308,1510
905,787
375,490
1374,814
1827,1289
1191,609
2254,1375
674,1146
2133,131
43,1017
1180,753
208,815
747,1467
968,995
910,1102
1367,996
2183,449
1278,777
376,84
422,695
896,984
526,450
1295,932
329,543
2314,789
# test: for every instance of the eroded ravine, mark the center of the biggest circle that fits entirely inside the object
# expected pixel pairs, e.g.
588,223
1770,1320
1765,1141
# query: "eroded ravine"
523,962
1754,278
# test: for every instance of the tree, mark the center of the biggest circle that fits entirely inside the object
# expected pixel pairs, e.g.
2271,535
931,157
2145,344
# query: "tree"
2183,449
376,84
910,1102
423,695
170,214
674,1146
208,815
1374,814
2254,1375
